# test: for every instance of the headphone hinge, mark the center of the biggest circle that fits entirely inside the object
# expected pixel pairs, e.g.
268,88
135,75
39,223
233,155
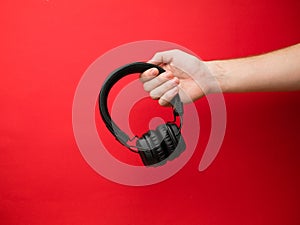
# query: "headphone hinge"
122,137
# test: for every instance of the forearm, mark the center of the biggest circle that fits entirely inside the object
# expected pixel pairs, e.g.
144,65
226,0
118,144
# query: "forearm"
274,71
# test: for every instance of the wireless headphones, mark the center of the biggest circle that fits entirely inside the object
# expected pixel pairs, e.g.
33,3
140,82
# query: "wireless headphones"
157,146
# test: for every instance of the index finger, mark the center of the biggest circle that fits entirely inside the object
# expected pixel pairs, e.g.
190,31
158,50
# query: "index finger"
149,74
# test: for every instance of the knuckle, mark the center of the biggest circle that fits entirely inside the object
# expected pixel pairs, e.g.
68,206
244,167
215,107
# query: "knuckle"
143,78
171,83
167,96
154,95
157,56
176,51
162,102
162,78
146,87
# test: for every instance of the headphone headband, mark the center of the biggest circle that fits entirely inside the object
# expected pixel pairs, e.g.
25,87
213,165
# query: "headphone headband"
136,67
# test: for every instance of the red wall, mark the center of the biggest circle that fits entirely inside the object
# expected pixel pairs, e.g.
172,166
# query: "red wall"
47,45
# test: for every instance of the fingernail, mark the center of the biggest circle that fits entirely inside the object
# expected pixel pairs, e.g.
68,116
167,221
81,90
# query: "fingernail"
175,80
153,71
168,75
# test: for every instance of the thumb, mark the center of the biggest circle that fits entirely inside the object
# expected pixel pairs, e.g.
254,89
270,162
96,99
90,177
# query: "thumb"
165,57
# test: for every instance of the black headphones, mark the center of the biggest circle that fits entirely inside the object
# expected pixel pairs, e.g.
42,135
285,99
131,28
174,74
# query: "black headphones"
155,147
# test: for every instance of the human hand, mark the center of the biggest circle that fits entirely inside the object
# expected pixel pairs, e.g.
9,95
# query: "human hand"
185,74
193,78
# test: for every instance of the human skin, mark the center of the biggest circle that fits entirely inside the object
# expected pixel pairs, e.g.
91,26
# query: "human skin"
193,78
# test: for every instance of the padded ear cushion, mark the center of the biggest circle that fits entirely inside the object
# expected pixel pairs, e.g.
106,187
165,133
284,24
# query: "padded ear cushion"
144,151
168,139
156,146
175,133
157,150
154,153
172,139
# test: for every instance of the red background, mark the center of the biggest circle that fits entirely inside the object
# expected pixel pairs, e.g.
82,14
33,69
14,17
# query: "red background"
45,48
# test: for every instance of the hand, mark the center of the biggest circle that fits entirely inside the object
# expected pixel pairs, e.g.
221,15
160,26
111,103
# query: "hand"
185,74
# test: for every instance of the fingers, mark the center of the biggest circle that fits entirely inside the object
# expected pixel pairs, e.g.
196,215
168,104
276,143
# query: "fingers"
160,90
166,98
157,81
162,87
149,75
164,57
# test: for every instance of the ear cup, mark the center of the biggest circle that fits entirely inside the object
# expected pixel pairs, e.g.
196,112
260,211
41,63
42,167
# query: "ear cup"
169,142
144,151
150,148
165,142
172,139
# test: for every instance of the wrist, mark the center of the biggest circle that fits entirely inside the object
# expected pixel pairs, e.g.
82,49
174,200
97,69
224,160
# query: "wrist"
218,75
